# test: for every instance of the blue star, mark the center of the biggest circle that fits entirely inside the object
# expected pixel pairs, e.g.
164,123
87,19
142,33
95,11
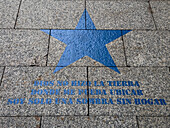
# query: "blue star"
85,40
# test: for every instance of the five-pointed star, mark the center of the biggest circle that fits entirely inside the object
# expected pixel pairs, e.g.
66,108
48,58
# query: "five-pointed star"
85,40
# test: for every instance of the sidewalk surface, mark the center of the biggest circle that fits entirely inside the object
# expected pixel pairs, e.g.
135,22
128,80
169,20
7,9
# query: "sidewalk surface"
108,59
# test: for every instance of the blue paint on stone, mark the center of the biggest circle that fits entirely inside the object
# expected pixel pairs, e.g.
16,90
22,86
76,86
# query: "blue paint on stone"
89,22
86,42
81,23
125,32
46,31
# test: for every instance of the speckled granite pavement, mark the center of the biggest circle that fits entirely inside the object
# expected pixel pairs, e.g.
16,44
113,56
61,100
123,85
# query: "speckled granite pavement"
87,93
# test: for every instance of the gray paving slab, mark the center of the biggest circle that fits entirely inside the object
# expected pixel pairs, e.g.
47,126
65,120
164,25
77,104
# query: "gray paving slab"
23,47
89,122
22,82
147,48
154,122
153,84
19,122
8,9
57,48
120,14
161,13
49,14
